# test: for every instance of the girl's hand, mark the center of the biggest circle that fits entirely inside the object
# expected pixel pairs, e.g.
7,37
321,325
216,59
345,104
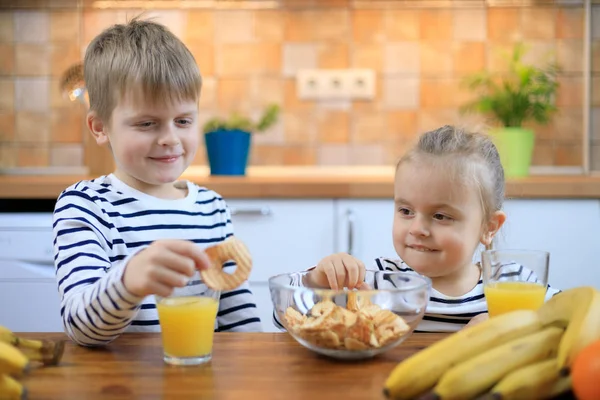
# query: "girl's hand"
338,271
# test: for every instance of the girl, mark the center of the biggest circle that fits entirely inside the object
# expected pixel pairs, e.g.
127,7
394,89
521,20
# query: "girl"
448,195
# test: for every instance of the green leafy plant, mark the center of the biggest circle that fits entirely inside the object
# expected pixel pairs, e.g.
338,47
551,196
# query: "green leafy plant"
243,123
526,92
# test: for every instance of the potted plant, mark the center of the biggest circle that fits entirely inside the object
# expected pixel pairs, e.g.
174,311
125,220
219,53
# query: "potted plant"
523,93
228,140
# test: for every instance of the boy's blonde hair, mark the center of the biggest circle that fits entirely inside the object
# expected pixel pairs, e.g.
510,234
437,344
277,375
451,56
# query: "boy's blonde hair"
142,59
470,157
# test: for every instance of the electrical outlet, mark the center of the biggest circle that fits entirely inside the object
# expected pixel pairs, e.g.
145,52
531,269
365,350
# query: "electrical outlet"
335,84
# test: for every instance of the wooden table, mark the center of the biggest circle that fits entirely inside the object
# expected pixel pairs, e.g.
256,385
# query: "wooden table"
244,366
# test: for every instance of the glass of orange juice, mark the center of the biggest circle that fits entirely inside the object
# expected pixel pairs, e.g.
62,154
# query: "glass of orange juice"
187,322
514,279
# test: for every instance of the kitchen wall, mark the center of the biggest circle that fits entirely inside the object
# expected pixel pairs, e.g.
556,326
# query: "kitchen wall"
248,58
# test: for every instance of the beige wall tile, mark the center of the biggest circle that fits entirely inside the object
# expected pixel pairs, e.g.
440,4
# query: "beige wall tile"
175,20
8,155
367,154
95,21
543,152
233,94
200,26
570,23
333,126
67,125
540,52
274,135
32,127
538,22
402,125
317,25
402,58
32,59
401,93
7,94
248,59
66,155
208,95
436,24
32,26
234,26
265,90
266,155
367,26
7,59
570,92
299,156
429,119
568,154
268,25
368,56
596,56
468,57
497,53
595,117
402,24
333,154
291,100
596,91
542,131
7,126
6,26
33,156
438,93
568,124
299,128
470,25
204,54
569,54
436,58
503,24
369,127
65,26
298,56
57,98
32,94
333,55
63,56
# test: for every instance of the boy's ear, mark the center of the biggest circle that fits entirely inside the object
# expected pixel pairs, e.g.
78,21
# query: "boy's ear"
492,227
97,128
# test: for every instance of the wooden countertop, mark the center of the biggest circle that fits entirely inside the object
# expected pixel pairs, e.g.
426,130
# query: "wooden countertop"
308,182
244,366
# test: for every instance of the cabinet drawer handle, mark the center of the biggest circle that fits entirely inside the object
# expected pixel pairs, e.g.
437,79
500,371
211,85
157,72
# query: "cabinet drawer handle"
350,218
258,211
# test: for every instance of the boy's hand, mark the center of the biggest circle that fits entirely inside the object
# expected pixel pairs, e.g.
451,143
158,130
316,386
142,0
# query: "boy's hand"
162,266
478,319
338,271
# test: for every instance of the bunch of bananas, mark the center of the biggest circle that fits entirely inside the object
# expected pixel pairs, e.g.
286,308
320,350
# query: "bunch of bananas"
519,355
16,356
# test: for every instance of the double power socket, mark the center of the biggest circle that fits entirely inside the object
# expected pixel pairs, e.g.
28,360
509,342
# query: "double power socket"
335,84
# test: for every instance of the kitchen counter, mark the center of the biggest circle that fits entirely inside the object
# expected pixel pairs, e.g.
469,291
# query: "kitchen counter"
308,182
244,366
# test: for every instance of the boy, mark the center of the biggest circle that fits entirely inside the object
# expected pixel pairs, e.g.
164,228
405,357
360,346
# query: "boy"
123,237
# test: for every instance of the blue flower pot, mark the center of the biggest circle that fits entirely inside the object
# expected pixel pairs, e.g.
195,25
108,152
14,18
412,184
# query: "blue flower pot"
227,151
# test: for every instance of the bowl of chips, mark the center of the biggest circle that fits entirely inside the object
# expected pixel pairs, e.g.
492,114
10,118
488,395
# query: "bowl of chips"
351,324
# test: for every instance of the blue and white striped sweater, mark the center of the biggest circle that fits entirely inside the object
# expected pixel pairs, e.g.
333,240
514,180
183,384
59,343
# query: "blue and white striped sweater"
99,225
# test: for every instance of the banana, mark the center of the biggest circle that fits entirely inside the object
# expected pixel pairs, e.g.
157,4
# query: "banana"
46,351
539,381
475,376
12,360
11,389
578,310
420,372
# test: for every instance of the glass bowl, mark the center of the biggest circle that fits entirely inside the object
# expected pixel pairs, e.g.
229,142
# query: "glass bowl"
351,324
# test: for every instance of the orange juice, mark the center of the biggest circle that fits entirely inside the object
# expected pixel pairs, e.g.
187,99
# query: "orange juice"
503,297
187,325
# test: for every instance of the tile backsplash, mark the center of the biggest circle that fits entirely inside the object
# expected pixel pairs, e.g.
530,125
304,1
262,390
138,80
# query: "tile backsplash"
249,58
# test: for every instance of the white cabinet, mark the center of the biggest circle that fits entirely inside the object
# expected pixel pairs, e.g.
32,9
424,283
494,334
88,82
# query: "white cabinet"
283,236
568,229
364,229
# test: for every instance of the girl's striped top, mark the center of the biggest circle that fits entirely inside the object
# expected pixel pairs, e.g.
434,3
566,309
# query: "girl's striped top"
100,224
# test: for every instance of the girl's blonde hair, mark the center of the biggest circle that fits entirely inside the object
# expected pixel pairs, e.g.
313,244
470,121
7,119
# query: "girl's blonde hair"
139,58
470,157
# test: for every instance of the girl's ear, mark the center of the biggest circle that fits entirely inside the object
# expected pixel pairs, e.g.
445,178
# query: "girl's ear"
492,227
98,128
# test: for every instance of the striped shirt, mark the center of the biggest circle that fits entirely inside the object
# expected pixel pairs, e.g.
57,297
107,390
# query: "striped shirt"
448,313
100,224
443,313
